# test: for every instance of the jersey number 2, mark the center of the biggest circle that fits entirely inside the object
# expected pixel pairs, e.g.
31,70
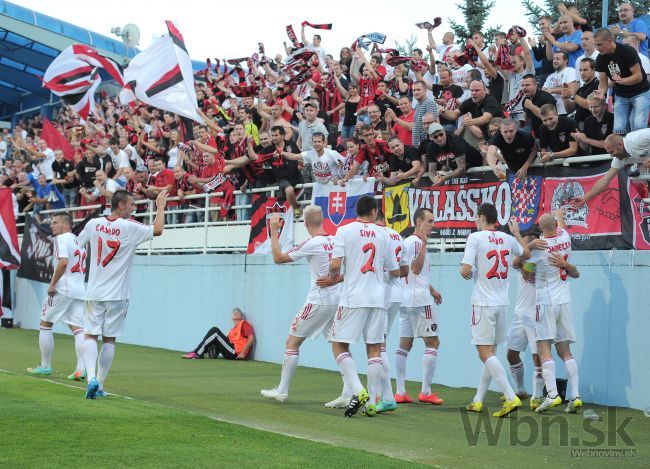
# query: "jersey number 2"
368,267
80,266
113,245
499,260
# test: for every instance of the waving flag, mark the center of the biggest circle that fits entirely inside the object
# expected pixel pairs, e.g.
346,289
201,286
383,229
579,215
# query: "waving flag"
73,76
338,202
56,140
9,254
260,237
162,76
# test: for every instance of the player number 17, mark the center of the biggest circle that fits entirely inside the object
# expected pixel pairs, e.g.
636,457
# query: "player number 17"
113,245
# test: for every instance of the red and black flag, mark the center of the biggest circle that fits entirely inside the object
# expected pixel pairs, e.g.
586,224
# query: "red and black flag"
262,209
9,253
326,26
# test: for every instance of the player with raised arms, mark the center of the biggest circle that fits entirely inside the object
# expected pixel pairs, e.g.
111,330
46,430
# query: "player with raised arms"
488,256
113,240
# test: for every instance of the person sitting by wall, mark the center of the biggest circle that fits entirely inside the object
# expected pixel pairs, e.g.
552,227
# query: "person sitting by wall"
234,346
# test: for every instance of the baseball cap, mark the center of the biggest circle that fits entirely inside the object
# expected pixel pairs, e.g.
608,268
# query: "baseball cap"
435,127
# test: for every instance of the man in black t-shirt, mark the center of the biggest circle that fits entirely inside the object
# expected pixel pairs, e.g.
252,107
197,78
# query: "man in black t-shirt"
449,154
404,162
555,135
534,99
87,168
446,95
622,65
65,175
518,149
597,127
286,171
476,111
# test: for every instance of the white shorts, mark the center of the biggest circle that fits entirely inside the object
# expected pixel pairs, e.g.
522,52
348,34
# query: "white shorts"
489,325
313,320
63,308
391,313
554,322
522,334
105,318
350,324
421,321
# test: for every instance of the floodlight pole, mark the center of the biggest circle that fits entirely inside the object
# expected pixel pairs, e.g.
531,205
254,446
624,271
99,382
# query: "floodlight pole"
605,13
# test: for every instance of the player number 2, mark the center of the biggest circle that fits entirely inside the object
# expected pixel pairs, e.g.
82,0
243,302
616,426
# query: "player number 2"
113,245
499,261
368,267
80,265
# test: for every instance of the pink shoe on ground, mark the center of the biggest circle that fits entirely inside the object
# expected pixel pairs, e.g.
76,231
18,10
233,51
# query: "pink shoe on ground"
190,355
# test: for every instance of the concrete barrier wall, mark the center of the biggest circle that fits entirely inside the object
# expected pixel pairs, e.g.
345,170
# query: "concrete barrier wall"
176,298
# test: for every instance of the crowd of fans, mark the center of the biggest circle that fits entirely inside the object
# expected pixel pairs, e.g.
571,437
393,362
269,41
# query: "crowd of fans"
361,113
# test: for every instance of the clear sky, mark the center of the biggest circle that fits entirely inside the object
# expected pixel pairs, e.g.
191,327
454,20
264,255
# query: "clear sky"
228,29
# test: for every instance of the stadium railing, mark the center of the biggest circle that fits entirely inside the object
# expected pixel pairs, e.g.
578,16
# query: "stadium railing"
207,236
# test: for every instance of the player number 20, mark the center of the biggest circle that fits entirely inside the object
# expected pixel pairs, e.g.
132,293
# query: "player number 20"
499,261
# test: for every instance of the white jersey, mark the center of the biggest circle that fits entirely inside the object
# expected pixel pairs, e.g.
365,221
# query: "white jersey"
416,287
318,251
525,305
394,292
324,167
112,242
551,282
558,80
71,283
365,248
637,145
490,253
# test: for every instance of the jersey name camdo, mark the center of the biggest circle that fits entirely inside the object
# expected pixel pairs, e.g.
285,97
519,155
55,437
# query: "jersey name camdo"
71,283
550,281
394,292
416,287
318,251
490,253
366,252
112,242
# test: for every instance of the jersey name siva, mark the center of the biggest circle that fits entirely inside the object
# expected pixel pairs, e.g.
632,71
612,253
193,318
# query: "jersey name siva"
366,252
490,253
71,283
551,282
318,251
416,287
112,242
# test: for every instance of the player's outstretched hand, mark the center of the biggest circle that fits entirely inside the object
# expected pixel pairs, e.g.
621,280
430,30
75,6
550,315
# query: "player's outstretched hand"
578,202
437,297
514,228
161,200
274,222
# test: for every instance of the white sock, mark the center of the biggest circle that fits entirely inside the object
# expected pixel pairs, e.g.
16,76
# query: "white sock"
429,360
79,348
387,387
538,383
375,378
289,366
574,380
517,372
548,372
90,357
400,370
104,363
499,376
346,392
349,371
46,344
483,385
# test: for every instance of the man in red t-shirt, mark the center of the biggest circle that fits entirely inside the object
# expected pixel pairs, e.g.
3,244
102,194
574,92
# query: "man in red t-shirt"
234,346
214,166
375,152
163,179
402,126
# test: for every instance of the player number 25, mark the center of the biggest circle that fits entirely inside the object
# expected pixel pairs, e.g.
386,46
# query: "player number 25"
113,245
499,261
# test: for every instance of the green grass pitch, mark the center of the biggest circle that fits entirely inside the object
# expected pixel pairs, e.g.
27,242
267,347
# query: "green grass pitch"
169,412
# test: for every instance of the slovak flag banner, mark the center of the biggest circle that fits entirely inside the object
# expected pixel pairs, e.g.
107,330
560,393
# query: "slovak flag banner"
162,76
338,202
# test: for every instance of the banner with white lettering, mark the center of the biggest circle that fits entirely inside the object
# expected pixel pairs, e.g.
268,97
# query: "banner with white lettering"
616,218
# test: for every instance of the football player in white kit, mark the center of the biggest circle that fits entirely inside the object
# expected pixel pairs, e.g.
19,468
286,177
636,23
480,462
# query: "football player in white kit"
554,323
113,241
317,314
65,295
487,259
393,302
418,316
521,334
365,248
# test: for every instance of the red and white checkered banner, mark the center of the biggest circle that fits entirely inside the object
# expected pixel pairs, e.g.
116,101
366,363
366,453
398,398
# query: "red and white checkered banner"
616,218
